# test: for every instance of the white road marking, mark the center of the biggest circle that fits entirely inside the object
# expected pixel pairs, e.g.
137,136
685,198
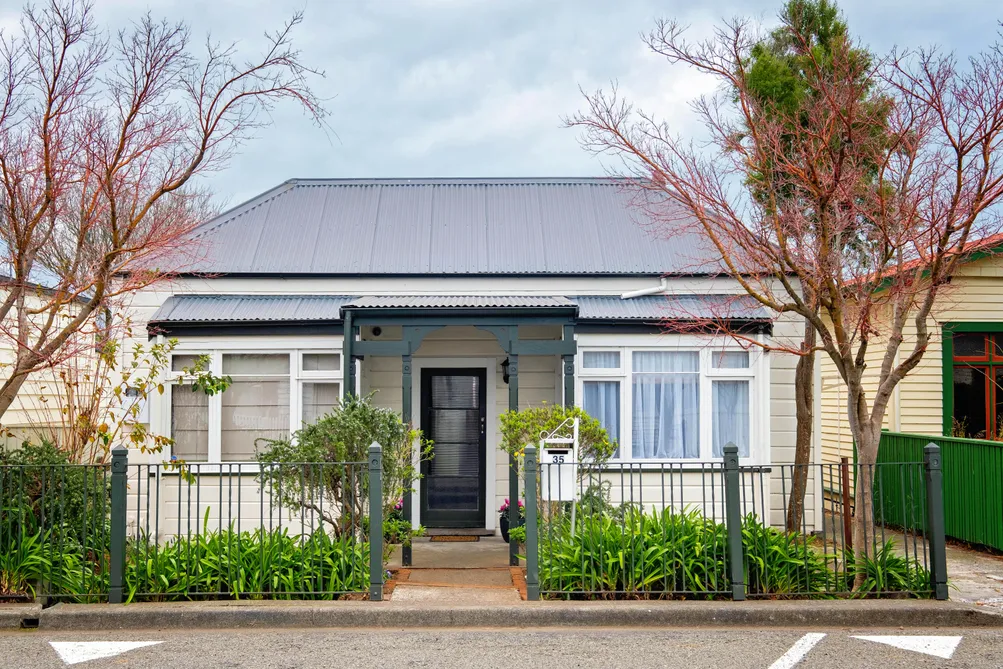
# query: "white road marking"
75,652
938,646
798,651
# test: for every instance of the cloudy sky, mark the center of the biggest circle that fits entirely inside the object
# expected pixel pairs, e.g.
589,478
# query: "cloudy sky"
478,87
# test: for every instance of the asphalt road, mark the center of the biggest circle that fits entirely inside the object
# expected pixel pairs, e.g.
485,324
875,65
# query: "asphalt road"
508,649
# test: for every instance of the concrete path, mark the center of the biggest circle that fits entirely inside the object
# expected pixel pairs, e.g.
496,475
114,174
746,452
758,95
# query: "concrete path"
975,577
462,573
488,553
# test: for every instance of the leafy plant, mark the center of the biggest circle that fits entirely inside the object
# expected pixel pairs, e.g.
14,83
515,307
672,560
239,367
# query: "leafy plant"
321,467
782,563
22,563
886,571
261,564
519,428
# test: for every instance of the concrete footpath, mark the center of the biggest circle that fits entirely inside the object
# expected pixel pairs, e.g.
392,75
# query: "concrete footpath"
409,615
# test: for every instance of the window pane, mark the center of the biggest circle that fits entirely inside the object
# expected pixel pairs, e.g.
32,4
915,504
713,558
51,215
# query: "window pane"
731,416
601,400
321,362
256,363
729,359
318,399
998,348
666,409
601,360
666,361
997,417
970,402
970,345
189,424
253,408
179,362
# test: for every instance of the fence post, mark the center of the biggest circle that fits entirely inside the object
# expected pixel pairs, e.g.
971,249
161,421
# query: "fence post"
733,521
116,560
532,539
935,520
375,522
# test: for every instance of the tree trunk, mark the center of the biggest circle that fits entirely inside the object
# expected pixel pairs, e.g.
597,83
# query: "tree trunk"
804,393
864,541
9,390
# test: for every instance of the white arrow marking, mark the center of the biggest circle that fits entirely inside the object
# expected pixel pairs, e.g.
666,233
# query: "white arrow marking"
798,651
75,652
938,646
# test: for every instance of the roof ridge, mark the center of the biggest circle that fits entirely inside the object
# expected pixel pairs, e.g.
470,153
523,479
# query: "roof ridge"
231,214
455,181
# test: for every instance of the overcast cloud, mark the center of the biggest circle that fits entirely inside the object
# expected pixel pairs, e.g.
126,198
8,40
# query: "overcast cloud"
478,87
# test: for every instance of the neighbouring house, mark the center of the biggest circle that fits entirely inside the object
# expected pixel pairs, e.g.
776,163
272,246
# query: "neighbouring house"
37,410
452,300
957,389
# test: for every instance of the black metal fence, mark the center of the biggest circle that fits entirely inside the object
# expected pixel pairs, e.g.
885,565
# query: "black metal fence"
55,530
165,532
720,530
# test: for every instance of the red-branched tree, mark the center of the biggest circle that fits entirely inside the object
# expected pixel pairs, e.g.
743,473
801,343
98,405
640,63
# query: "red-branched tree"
851,207
101,137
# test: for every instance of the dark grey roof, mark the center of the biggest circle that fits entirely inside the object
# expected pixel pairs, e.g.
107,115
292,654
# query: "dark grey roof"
237,308
447,226
650,308
306,308
460,302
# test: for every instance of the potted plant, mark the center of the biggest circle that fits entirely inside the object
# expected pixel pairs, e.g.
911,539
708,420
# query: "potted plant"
505,521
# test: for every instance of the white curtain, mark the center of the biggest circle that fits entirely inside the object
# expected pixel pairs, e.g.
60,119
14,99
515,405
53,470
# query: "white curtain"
666,406
601,400
601,360
731,416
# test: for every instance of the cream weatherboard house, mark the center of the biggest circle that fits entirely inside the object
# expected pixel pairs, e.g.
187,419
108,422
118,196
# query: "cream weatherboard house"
452,300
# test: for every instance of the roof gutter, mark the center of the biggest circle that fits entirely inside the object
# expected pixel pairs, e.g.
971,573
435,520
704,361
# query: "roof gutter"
662,287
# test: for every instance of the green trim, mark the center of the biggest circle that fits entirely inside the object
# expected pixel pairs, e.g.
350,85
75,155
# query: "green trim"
947,378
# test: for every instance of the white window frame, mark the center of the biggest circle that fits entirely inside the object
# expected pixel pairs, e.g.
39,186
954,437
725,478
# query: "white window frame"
295,348
757,374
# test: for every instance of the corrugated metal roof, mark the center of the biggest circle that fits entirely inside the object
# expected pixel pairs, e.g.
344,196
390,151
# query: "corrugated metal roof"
460,302
237,308
649,308
448,226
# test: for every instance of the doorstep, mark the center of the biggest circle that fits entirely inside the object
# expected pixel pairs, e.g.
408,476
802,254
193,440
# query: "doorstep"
458,532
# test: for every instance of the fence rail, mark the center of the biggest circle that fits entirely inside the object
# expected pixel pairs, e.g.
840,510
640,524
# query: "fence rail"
973,485
55,531
121,532
718,530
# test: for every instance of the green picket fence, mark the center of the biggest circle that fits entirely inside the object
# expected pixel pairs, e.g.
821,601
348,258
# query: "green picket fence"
973,486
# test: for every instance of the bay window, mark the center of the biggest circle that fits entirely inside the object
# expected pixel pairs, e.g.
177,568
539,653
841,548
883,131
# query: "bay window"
272,394
678,403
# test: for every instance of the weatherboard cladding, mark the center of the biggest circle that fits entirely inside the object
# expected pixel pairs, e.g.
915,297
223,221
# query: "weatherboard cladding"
306,308
448,226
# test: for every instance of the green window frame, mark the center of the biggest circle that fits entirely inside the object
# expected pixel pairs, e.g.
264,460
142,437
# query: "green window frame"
948,362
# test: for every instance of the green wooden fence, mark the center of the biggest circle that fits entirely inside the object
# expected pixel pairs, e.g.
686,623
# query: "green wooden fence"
973,486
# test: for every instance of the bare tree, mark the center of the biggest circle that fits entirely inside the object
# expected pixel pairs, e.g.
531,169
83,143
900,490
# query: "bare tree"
856,221
101,139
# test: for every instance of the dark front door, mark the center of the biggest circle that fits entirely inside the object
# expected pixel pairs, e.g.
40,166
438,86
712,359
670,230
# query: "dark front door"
454,418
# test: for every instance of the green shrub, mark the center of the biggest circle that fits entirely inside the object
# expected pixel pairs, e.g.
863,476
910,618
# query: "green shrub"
261,564
780,563
886,571
624,551
634,553
22,563
340,440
